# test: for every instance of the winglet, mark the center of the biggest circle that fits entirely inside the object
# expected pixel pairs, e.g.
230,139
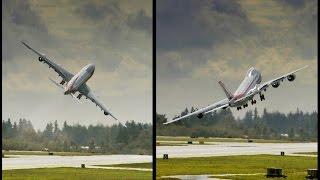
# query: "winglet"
122,123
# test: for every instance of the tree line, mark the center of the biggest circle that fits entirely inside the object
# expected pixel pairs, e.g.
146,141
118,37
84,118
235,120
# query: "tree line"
116,139
297,125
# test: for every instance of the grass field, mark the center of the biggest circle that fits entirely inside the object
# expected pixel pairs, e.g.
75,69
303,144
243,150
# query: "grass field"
133,165
46,153
311,153
210,139
294,167
73,173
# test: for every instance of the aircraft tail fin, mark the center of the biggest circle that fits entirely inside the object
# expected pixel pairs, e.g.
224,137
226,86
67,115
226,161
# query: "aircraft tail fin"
75,98
226,91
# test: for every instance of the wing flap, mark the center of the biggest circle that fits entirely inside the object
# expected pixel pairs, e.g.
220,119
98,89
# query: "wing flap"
218,105
265,85
218,108
95,100
66,75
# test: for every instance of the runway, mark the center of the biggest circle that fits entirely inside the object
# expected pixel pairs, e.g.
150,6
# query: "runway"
32,161
234,148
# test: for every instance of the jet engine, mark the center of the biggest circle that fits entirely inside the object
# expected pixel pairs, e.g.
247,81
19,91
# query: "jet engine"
200,115
40,59
276,84
291,77
106,113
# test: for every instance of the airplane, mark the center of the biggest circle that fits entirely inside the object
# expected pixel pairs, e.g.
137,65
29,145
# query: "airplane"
249,87
74,83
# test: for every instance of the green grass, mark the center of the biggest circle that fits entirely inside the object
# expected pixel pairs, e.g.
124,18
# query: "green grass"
46,153
132,165
210,139
311,153
73,173
293,166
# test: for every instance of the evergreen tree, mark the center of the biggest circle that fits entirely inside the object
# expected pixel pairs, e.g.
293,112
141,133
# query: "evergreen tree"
48,132
56,127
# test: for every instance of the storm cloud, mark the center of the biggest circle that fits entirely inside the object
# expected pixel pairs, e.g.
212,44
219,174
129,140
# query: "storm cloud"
201,42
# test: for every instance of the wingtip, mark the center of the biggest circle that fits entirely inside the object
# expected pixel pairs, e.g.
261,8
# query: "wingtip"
123,124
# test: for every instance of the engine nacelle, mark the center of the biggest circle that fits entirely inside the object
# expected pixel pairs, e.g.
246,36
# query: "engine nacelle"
200,115
40,59
276,84
291,77
105,113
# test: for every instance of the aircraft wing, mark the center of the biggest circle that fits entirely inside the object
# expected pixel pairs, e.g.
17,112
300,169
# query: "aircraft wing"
224,103
248,96
265,85
95,100
66,75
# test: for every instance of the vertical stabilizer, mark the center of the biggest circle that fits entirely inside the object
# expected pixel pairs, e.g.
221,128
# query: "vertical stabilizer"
226,91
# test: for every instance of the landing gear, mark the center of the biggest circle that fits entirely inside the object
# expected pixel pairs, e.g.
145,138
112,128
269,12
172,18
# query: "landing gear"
245,105
262,97
253,102
79,96
238,108
62,82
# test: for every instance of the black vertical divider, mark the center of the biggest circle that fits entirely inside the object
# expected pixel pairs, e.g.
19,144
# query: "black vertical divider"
154,87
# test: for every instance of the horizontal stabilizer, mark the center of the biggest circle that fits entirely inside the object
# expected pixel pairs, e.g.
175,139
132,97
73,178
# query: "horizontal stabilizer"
57,84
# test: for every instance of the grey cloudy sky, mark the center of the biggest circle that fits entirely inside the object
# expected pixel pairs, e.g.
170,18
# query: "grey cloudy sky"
114,35
201,42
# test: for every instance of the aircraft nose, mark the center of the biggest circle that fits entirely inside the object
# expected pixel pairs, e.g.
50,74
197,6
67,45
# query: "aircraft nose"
92,67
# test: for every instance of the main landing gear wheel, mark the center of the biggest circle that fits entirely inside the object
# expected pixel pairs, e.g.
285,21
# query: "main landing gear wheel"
238,108
262,97
253,102
245,105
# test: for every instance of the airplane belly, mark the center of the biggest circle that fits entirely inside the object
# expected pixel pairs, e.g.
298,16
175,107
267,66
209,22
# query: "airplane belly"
81,80
238,103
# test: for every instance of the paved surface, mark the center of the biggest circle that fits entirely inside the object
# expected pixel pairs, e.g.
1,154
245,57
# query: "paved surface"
208,176
120,168
234,148
31,161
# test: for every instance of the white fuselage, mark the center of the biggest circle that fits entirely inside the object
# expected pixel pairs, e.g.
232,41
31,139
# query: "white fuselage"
79,79
252,78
